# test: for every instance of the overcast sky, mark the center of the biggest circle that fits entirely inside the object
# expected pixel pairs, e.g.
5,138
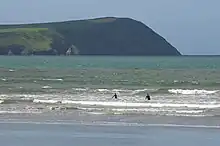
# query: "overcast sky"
192,26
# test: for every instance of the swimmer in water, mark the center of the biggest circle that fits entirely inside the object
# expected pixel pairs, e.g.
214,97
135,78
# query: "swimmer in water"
115,96
147,97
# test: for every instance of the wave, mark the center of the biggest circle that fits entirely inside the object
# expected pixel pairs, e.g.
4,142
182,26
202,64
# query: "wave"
80,89
11,70
3,79
102,90
129,104
19,112
52,79
136,92
28,96
192,92
105,90
46,101
11,101
46,87
151,91
143,110
159,110
140,90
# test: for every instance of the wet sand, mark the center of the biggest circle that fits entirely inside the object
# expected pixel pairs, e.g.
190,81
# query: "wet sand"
83,117
59,134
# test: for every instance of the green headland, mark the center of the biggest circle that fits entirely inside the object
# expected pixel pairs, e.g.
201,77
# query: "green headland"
101,36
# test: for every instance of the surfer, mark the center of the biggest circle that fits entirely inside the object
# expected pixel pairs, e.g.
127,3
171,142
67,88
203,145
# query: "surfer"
147,97
115,96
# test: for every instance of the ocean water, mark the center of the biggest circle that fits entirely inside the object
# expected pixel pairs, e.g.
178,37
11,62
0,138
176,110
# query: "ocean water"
180,87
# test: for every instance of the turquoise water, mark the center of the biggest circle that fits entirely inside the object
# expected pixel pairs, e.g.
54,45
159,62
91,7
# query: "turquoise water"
179,86
110,62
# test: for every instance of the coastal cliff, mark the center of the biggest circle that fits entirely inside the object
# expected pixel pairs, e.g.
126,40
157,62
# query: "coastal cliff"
101,36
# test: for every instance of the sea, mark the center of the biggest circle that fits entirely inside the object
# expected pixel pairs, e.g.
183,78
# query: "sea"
78,90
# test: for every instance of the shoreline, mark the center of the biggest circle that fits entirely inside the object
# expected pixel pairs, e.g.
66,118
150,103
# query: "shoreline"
120,120
115,124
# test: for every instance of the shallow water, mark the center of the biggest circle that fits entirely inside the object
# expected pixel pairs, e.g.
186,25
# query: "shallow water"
35,134
179,86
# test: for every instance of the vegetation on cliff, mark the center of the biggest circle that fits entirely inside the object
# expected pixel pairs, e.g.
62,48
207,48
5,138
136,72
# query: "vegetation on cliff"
101,36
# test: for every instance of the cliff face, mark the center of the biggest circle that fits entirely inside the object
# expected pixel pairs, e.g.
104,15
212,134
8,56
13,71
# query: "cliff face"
102,36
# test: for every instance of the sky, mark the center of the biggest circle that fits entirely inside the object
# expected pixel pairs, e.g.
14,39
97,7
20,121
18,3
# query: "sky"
192,26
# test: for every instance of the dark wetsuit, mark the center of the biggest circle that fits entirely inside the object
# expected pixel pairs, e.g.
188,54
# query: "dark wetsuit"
147,97
115,96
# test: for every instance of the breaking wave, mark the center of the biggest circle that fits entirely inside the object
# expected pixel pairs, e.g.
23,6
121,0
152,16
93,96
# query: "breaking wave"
19,112
130,101
52,79
143,110
12,101
191,92
129,104
46,101
105,90
1,101
46,87
3,79
152,91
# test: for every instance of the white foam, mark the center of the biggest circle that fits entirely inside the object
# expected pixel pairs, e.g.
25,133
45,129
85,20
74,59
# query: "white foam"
11,70
52,79
129,104
185,115
80,89
143,110
121,90
183,126
22,96
46,101
46,87
52,108
3,79
189,111
18,112
134,91
191,92
157,110
96,113
1,101
102,90
31,97
139,90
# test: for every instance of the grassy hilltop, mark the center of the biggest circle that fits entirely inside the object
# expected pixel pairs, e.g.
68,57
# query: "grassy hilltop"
101,36
25,39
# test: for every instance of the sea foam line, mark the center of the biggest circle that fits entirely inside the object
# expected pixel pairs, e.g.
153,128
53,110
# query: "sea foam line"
191,92
143,110
127,104
63,122
20,112
1,101
52,79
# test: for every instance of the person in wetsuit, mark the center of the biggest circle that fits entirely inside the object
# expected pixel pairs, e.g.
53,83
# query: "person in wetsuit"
148,97
115,96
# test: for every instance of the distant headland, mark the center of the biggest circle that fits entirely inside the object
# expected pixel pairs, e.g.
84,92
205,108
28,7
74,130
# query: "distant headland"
100,36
